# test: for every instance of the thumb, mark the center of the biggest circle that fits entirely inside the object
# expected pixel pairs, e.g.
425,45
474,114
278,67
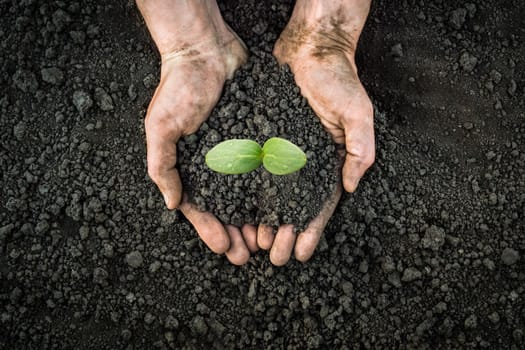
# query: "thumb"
308,240
162,158
360,151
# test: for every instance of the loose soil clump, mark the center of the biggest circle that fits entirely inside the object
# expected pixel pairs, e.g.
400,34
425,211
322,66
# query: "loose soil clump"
260,102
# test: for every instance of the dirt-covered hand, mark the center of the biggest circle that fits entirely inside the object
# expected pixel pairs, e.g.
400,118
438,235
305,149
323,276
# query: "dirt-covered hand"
199,52
190,86
319,45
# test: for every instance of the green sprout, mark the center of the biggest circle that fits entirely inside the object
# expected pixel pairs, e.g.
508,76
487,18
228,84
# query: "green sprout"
277,155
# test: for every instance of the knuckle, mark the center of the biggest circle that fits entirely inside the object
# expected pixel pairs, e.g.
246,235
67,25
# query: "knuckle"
153,174
154,170
363,153
357,150
369,107
156,121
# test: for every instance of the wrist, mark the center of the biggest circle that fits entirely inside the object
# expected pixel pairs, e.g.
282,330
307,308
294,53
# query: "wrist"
335,23
176,25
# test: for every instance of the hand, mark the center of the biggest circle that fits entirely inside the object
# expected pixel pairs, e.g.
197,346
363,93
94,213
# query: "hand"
319,45
195,64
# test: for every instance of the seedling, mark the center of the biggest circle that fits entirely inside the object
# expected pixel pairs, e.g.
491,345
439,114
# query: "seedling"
277,155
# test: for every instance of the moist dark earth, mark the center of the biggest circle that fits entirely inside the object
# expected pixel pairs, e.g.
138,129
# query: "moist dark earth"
261,102
427,254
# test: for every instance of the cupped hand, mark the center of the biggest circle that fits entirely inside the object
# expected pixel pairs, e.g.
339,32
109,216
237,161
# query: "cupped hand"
320,54
328,79
191,82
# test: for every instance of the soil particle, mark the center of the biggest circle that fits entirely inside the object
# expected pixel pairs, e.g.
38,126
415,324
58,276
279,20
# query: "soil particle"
199,326
510,256
100,275
471,322
19,130
52,75
134,259
103,100
467,61
25,80
397,50
82,101
171,323
411,274
434,238
60,19
77,37
458,17
150,81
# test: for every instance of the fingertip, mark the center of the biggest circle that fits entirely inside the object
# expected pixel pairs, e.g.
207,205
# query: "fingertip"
249,232
303,257
172,201
265,236
238,254
350,184
216,239
279,260
352,173
308,240
283,245
220,246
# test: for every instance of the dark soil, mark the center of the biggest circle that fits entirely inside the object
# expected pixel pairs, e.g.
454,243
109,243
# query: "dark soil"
427,254
262,101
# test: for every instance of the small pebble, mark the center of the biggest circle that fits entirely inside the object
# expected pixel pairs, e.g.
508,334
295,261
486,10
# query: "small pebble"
510,256
134,259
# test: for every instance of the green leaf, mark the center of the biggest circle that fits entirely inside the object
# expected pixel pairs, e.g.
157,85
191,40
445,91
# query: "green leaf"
281,157
234,156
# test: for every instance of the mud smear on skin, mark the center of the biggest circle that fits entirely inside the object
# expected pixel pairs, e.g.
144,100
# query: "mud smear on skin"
326,39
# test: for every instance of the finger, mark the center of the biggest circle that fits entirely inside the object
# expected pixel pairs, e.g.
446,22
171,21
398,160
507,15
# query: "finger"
249,233
238,253
308,240
360,152
265,236
162,156
282,245
209,228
